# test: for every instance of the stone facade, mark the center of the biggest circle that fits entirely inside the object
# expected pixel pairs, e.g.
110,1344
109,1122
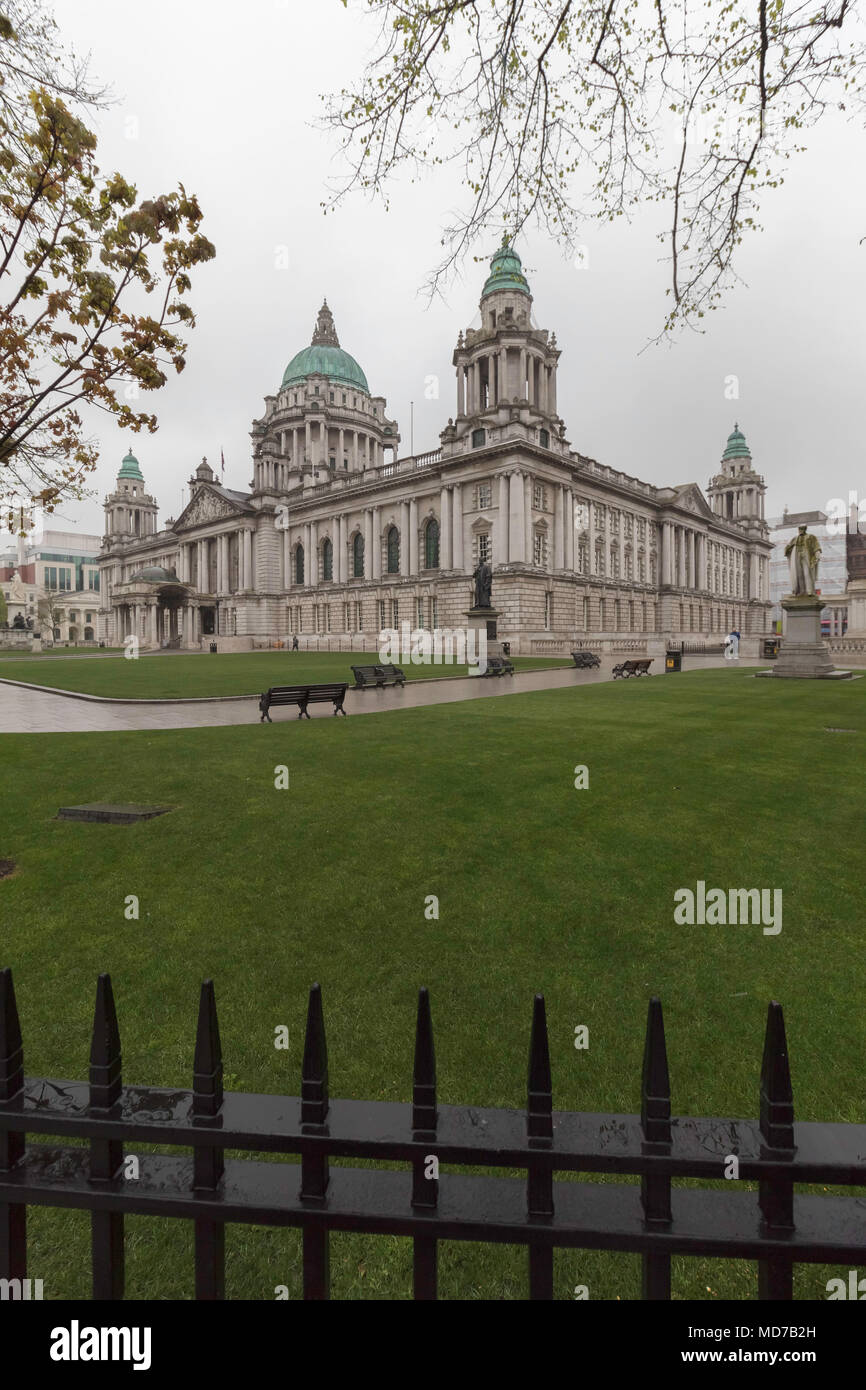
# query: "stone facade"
340,536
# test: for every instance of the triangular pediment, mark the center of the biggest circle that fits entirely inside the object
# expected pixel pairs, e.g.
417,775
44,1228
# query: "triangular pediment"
208,505
689,498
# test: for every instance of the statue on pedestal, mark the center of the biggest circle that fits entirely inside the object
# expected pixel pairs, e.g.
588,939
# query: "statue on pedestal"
803,554
483,576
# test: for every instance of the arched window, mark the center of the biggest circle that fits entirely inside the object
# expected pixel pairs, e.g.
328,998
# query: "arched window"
431,545
393,550
327,560
299,565
88,634
358,555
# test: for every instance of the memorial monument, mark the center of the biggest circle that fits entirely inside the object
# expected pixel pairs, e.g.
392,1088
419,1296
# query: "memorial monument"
803,654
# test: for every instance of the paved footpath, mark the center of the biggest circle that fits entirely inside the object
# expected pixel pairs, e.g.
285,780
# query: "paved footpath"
26,710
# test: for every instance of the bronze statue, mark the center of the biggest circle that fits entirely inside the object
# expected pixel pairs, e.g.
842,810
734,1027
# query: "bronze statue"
803,553
483,576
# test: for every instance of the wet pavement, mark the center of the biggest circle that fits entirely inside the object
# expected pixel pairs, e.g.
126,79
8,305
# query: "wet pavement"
27,710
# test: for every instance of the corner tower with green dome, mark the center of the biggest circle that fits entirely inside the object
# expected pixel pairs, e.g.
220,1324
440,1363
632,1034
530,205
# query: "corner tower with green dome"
130,511
736,493
506,368
323,421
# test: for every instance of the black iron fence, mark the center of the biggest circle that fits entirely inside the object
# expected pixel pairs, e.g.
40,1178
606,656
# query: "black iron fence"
654,1219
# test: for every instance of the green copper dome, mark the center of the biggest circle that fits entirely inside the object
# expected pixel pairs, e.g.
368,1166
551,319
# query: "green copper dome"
505,272
325,357
130,469
737,448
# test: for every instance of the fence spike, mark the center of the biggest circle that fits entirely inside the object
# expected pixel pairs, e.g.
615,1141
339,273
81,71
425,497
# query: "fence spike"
11,1042
655,1101
777,1096
539,1103
314,1074
105,1056
424,1074
207,1081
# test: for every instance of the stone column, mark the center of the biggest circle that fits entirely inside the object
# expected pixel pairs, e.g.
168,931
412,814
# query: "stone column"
683,576
341,445
377,543
551,391
527,518
288,577
461,403
445,529
569,529
308,441
404,539
154,637
457,526
355,451
503,374
248,559
516,527
702,562
500,547
522,391
323,444
476,386
666,552
413,536
343,553
368,543
309,567
559,530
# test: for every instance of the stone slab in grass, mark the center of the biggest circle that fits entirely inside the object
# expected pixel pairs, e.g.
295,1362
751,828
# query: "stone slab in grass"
124,813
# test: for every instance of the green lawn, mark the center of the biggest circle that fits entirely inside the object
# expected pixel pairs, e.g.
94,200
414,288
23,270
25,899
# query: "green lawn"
239,673
709,775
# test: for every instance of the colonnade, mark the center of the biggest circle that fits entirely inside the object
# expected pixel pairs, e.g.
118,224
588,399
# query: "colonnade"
500,374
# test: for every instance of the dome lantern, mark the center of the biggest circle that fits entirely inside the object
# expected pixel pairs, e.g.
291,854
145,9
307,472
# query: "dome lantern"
325,357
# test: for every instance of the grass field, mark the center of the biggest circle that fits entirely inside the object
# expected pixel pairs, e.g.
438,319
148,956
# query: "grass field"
709,775
236,673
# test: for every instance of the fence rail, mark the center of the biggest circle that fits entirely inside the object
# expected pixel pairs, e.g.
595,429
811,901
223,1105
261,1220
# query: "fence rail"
653,1219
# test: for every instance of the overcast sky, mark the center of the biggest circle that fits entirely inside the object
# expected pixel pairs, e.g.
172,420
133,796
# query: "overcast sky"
222,98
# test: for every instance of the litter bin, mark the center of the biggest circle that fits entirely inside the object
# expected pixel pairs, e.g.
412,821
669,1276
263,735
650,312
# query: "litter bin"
213,646
771,648
673,661
506,648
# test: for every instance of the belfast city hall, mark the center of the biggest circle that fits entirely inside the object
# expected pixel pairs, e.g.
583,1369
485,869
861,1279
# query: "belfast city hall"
341,537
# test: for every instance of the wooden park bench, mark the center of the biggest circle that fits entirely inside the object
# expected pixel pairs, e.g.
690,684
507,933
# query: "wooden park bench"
633,668
499,666
585,660
379,676
303,695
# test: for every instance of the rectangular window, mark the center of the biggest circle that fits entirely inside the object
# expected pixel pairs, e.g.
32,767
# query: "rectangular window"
599,515
628,526
395,612
585,614
345,617
614,521
581,515
540,549
582,559
419,612
483,548
434,613
485,495
548,611
381,615
538,497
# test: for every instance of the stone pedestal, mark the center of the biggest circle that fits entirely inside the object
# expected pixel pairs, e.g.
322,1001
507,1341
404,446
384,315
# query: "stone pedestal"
803,655
484,620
